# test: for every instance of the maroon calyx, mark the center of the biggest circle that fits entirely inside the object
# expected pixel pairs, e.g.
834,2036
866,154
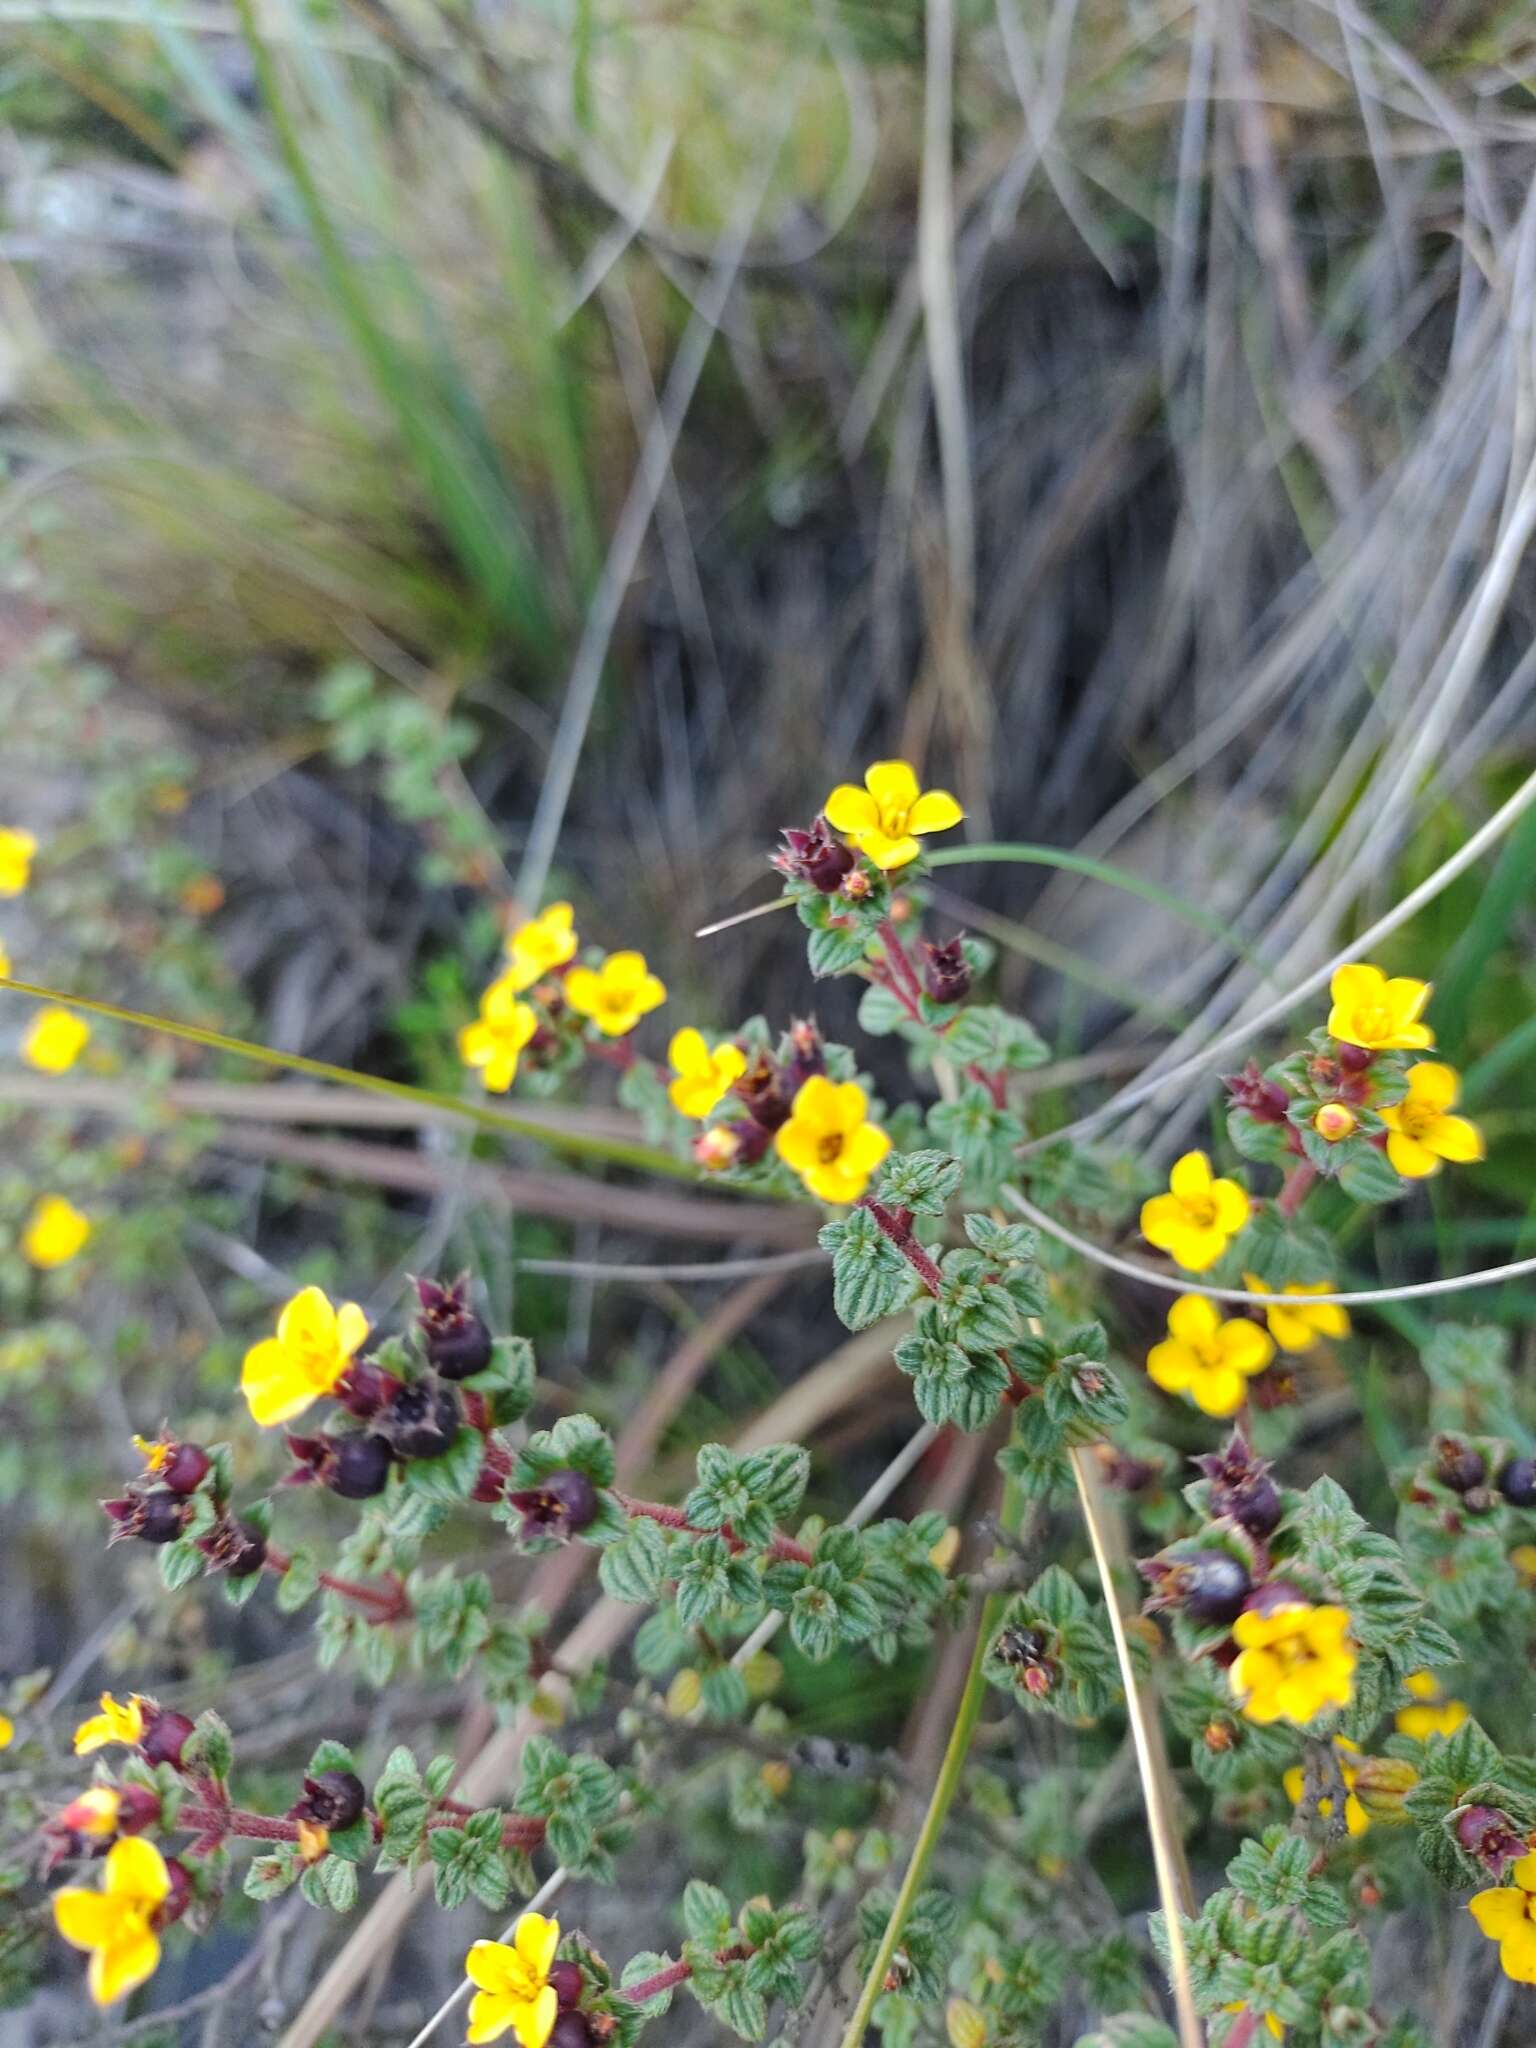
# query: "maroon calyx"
814,857
560,1505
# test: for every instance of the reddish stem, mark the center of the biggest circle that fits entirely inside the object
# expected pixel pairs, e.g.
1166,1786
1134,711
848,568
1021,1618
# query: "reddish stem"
1243,2031
1298,1185
677,1973
904,976
896,1225
221,1823
388,1602
784,1547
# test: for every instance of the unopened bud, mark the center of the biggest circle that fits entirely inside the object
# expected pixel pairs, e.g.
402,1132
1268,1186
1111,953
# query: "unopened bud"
1335,1120
1265,1101
1382,1785
684,1693
1490,1837
814,857
946,972
965,2024
458,1344
777,1777
716,1148
1219,1737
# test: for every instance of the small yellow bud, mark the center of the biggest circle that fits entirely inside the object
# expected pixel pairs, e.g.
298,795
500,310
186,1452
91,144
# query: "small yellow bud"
684,1693
1382,1785
764,1674
777,1776
965,2024
843,1844
946,1550
314,1841
1335,1120
1523,1558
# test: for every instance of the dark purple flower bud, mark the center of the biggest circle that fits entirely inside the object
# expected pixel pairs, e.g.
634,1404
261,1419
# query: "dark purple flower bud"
1458,1464
560,1505
1517,1482
178,1898
334,1799
1210,1586
946,972
1273,1595
806,1056
1241,1488
245,1552
814,857
1354,1059
570,2031
148,1517
364,1388
566,1979
1491,1838
358,1467
165,1735
761,1088
138,1808
1265,1100
184,1468
421,1420
457,1341
752,1140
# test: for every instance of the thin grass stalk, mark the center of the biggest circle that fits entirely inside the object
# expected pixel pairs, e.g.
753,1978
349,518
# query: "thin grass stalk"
1173,1886
942,1797
584,1144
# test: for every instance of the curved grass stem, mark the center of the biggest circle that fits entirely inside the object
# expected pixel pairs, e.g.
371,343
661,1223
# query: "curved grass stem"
584,1144
942,1798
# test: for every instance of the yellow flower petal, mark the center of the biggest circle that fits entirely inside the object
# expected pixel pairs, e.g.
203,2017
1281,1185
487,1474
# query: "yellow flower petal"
487,1964
798,1144
535,2022
887,852
1433,1084
135,1869
1411,1159
536,1938
490,2015
1173,1366
1193,1319
1458,1139
892,784
124,1966
849,809
1190,1177
1244,1347
935,811
54,1232
86,1919
1219,1391
688,1054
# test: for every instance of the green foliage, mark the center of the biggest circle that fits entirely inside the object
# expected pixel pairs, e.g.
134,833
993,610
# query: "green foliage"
1052,1651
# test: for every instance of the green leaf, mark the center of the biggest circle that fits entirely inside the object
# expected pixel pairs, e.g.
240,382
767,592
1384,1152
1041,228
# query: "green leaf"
836,949
923,1182
635,1568
180,1563
1368,1176
451,1477
870,1278
299,1583
980,1135
507,1381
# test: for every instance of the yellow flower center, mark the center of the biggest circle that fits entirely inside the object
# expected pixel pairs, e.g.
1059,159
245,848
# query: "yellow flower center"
893,821
829,1147
1200,1210
1372,1023
1417,1119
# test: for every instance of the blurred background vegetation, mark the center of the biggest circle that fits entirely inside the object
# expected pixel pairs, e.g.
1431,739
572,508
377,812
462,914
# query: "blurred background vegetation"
458,451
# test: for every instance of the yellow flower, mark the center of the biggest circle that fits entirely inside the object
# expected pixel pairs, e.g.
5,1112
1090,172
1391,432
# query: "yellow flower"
1507,1915
493,1042
1198,1217
7,1731
55,1040
1523,1558
1272,2021
1380,1015
703,1077
314,1841
54,1232
16,851
155,1451
512,1987
1420,1130
312,1349
1294,1662
616,995
1298,1328
117,1923
828,1142
1208,1359
115,1723
887,816
1430,1715
1356,1819
93,1813
5,965
545,942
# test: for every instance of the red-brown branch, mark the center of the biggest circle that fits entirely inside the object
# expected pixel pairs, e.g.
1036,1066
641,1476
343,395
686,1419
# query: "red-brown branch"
779,1547
896,1225
389,1602
677,1973
215,1823
1298,1185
